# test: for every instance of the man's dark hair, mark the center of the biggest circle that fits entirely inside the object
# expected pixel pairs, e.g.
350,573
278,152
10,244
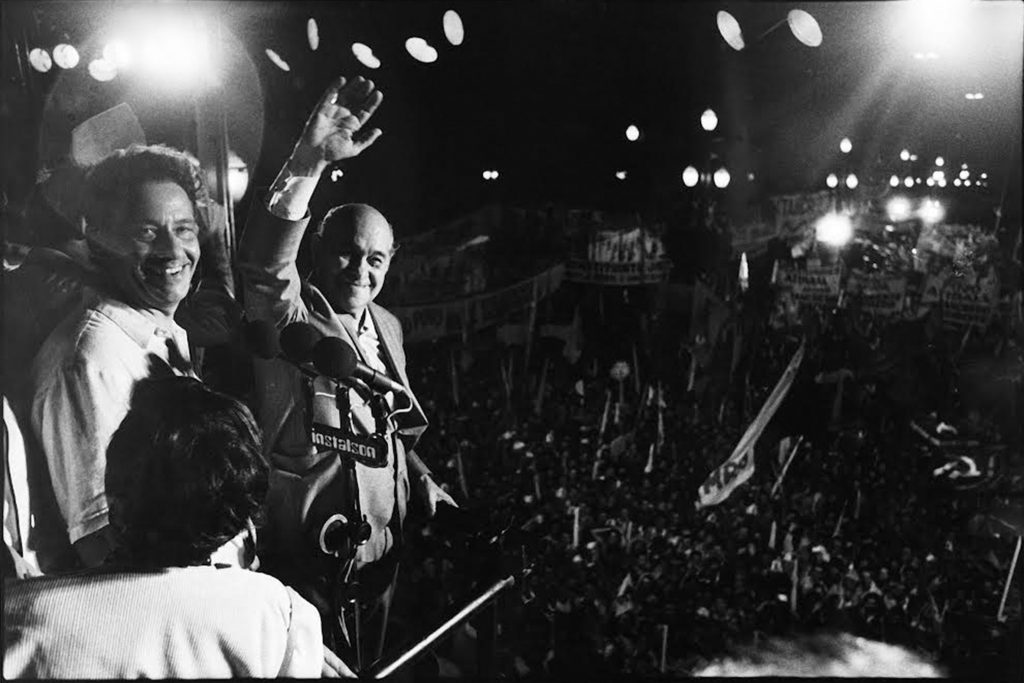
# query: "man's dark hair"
185,473
109,182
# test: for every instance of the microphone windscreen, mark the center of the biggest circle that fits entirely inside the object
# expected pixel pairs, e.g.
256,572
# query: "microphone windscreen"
297,341
262,339
334,358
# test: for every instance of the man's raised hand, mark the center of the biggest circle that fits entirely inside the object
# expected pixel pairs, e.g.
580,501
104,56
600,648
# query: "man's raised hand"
335,130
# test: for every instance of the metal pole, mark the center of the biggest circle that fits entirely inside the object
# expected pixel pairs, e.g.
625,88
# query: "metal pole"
443,630
1009,580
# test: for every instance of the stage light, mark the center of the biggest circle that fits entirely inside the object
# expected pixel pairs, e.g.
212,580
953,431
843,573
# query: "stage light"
102,70
750,177
942,182
40,60
804,27
939,161
957,182
984,176
967,183
831,180
834,229
930,182
312,34
964,165
908,181
365,56
965,174
238,177
709,120
621,175
632,133
721,178
845,145
929,25
913,157
276,59
889,228
420,50
851,181
118,53
453,29
730,31
894,181
931,212
898,209
65,56
905,155
175,52
690,176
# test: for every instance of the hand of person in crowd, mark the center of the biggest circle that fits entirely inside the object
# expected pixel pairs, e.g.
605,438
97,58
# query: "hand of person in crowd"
434,494
334,667
335,130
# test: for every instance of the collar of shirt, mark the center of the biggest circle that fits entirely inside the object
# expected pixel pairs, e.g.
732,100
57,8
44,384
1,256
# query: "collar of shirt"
141,325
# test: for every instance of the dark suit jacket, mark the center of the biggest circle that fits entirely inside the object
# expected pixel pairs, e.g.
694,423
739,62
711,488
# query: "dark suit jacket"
304,476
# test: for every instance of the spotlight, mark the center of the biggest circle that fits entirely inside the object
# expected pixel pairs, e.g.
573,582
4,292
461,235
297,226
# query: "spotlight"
721,178
621,175
632,133
453,29
898,209
957,182
420,50
913,157
939,161
709,120
102,70
365,56
942,182
834,229
117,53
930,181
845,145
965,174
967,183
65,56
851,181
908,181
40,60
804,27
917,181
238,177
905,155
277,60
984,176
831,180
729,28
690,176
894,181
312,34
931,212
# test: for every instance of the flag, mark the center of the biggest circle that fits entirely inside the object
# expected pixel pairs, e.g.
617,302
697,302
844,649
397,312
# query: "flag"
626,584
739,467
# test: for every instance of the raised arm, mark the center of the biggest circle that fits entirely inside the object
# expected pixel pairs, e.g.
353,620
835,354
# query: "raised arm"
270,244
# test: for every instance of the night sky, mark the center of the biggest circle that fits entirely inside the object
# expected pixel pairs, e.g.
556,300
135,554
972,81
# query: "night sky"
544,91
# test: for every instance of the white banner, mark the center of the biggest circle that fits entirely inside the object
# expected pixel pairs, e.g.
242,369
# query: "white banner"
739,467
879,294
813,286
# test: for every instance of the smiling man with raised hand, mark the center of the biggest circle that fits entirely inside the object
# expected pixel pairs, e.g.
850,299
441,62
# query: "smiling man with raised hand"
144,219
352,248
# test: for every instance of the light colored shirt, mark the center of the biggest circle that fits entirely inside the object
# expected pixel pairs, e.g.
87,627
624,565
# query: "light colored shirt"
81,386
192,622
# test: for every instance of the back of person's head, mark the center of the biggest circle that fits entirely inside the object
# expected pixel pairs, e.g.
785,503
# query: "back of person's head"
110,182
185,474
823,655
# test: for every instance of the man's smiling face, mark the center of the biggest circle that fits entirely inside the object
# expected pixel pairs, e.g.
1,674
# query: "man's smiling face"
353,257
153,246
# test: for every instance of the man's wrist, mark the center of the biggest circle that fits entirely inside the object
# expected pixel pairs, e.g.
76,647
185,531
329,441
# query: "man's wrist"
305,162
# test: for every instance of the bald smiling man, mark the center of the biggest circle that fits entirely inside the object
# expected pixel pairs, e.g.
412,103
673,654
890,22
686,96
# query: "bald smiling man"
352,249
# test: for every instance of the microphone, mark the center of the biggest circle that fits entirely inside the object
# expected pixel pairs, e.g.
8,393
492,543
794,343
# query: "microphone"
294,344
336,359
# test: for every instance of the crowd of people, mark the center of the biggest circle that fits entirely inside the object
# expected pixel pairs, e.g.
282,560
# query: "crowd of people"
859,537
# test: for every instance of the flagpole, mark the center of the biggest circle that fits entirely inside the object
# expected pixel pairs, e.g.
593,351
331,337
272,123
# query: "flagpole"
1009,580
785,468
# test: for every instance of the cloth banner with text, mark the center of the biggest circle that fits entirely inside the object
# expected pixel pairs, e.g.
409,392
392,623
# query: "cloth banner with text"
433,321
739,467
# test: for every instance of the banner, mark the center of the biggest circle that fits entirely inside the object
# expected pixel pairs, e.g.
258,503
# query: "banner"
739,467
963,300
623,274
433,321
816,286
880,294
796,214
